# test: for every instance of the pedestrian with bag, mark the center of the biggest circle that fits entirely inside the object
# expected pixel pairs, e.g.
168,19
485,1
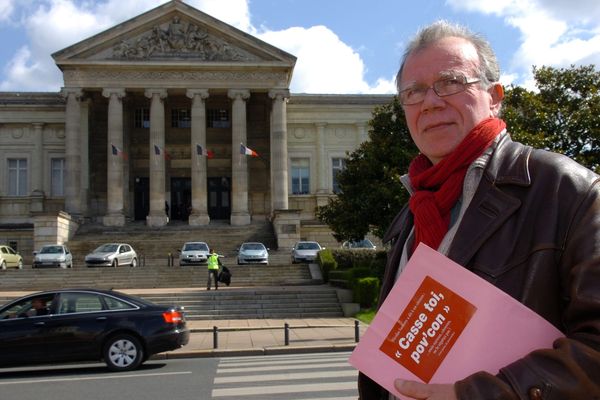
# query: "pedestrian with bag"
213,269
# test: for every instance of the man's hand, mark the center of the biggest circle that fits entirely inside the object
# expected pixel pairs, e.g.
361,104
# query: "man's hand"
418,390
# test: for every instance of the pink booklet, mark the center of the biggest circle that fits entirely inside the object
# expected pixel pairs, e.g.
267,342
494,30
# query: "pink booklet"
441,323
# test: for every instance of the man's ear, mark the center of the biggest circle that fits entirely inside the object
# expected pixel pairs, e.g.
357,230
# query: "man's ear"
497,93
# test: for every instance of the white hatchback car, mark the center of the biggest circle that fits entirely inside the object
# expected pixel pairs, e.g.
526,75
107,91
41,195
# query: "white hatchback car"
305,252
253,253
53,255
10,258
112,255
193,253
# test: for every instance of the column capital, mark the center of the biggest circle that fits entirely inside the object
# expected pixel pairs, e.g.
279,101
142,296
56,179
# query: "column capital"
276,94
243,94
75,91
107,92
149,93
321,124
38,125
203,93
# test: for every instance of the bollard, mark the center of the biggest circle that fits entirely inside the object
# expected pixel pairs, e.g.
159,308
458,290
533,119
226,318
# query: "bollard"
356,331
215,337
286,331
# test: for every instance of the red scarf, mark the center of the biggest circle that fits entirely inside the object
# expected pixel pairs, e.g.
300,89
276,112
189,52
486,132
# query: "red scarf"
437,187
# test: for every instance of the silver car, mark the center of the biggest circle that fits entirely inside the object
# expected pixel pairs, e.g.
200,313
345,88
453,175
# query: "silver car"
53,256
193,253
364,244
112,255
305,252
253,253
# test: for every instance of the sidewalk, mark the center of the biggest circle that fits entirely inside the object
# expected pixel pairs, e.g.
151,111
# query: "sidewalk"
267,336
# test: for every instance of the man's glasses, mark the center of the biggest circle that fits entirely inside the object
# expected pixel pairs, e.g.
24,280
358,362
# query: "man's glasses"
443,87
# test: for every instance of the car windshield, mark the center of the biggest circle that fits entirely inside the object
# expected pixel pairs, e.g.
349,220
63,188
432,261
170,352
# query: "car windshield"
308,246
195,246
51,250
107,248
253,246
362,244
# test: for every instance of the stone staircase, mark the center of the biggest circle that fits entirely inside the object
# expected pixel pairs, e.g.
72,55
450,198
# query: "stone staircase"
277,290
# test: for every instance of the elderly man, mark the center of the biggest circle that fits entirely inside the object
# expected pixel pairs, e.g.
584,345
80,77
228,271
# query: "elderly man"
526,220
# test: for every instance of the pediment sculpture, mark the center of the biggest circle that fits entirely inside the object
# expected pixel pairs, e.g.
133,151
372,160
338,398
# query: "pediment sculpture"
181,40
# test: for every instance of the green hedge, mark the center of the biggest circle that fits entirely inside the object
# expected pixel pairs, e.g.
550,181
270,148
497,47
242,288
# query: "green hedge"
365,291
327,263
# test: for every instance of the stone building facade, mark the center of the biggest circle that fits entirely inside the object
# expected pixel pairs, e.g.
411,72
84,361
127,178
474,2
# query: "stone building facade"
154,124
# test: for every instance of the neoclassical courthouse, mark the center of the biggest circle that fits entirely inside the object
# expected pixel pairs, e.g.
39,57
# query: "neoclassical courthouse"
153,115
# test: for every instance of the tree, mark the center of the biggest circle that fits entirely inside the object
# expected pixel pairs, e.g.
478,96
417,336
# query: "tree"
564,116
371,192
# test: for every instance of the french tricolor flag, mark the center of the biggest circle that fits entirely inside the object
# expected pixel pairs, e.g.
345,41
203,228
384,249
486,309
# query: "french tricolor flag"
204,152
247,151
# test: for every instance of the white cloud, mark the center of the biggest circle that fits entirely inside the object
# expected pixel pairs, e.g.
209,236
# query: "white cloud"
555,33
6,9
325,63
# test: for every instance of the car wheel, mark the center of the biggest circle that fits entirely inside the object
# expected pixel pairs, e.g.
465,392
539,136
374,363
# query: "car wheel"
3,265
115,263
20,264
134,263
123,353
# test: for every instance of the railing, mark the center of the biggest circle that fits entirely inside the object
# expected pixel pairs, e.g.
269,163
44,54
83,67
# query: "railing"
286,331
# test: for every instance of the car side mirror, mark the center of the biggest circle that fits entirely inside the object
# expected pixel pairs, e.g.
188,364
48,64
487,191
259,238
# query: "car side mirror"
35,253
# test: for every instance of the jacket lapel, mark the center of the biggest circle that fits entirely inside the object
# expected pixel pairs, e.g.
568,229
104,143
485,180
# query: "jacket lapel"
492,204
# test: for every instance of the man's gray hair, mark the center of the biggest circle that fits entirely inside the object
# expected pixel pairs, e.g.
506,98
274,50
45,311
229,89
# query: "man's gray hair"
489,71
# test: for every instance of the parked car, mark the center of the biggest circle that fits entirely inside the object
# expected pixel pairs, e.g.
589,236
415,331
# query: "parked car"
112,255
193,253
53,255
305,252
88,325
253,253
10,258
364,244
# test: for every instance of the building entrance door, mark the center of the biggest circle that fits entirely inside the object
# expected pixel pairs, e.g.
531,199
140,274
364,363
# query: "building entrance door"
181,198
219,198
141,198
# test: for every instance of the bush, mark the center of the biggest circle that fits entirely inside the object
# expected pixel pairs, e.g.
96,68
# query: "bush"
365,291
326,262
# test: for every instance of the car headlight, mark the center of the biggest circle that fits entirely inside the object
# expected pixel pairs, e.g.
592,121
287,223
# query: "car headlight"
61,259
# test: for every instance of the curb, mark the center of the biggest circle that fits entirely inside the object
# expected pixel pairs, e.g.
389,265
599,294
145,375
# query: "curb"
260,351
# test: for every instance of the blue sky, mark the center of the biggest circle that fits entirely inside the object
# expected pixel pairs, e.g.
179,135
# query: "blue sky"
343,46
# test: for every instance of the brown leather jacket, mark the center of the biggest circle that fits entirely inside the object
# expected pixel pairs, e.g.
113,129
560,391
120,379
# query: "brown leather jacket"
533,230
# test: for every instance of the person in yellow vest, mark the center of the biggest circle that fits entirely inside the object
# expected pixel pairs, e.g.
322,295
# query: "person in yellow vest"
213,269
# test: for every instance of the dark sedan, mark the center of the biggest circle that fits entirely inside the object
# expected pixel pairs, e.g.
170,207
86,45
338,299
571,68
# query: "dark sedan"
88,325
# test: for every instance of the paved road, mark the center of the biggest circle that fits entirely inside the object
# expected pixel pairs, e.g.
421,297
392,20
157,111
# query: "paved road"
324,376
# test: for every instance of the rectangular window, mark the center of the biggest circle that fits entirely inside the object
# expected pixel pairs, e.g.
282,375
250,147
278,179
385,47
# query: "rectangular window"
218,118
300,176
181,118
337,166
58,177
17,177
141,118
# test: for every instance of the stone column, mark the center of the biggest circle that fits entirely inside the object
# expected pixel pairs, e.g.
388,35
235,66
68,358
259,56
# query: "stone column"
72,150
157,216
37,162
279,162
322,170
239,164
199,214
85,156
114,165
37,169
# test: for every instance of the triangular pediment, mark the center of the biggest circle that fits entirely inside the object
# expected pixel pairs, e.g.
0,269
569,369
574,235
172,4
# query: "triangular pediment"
172,33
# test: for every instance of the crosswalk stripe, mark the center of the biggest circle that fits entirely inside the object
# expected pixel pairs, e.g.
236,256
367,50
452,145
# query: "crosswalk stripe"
284,377
280,389
312,365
